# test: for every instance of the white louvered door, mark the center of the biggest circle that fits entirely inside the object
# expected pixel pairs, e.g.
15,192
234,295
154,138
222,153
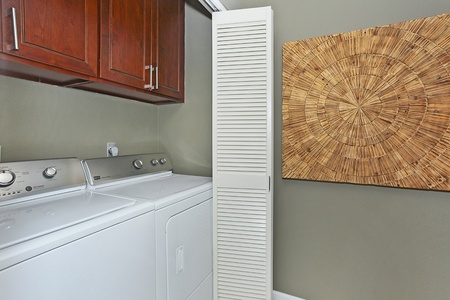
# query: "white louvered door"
243,153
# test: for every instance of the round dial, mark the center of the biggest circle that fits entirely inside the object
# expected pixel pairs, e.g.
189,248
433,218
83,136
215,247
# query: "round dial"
154,162
137,163
6,178
50,172
162,160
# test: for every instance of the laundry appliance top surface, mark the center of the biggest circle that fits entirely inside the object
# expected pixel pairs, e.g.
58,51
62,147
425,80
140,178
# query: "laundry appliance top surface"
135,177
27,220
41,197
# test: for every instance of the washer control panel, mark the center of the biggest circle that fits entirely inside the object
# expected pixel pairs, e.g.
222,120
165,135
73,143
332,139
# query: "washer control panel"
23,178
104,169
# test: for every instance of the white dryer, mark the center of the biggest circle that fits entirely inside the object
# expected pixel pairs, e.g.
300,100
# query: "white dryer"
59,241
183,218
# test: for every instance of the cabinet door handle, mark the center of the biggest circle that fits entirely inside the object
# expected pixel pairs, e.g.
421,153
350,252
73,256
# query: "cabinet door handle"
150,86
14,26
157,77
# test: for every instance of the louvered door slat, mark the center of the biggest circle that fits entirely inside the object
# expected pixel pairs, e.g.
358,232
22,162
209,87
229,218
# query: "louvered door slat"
243,150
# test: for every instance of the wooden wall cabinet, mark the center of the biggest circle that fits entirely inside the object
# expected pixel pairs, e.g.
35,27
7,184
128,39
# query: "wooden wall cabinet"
125,42
1,30
130,50
57,33
168,51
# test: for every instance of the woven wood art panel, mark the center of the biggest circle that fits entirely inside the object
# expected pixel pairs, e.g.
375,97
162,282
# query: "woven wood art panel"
370,106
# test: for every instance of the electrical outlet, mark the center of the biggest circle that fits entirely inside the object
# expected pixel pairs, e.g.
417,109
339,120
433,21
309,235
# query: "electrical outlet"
111,149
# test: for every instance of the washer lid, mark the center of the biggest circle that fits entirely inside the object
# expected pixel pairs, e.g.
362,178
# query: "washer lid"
28,220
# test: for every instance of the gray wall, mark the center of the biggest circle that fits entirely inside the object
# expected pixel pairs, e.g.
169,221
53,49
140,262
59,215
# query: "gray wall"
185,129
332,241
44,121
343,241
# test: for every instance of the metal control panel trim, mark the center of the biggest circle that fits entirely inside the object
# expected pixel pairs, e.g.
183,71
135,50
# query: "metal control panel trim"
27,178
106,169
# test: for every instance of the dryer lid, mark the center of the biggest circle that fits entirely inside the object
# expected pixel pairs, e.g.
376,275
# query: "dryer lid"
162,191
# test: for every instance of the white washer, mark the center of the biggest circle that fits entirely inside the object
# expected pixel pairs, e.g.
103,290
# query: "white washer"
183,218
59,241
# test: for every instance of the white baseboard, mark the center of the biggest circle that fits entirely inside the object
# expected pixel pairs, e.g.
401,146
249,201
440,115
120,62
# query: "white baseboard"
281,296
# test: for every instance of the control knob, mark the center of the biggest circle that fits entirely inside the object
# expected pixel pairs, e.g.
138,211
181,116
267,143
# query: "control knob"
137,163
50,172
154,162
6,178
162,160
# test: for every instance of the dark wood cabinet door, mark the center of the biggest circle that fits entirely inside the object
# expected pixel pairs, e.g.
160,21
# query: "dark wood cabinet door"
58,33
1,30
125,42
168,45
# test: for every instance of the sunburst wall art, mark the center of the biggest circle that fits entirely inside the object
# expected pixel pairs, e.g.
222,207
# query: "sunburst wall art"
370,106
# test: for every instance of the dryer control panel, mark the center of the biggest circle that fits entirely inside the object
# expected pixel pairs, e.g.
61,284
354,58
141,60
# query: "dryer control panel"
106,169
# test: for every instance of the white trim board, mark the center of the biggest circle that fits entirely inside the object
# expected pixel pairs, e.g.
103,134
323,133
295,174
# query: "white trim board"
281,296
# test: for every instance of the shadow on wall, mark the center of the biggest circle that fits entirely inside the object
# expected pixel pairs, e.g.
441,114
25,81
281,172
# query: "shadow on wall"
197,6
